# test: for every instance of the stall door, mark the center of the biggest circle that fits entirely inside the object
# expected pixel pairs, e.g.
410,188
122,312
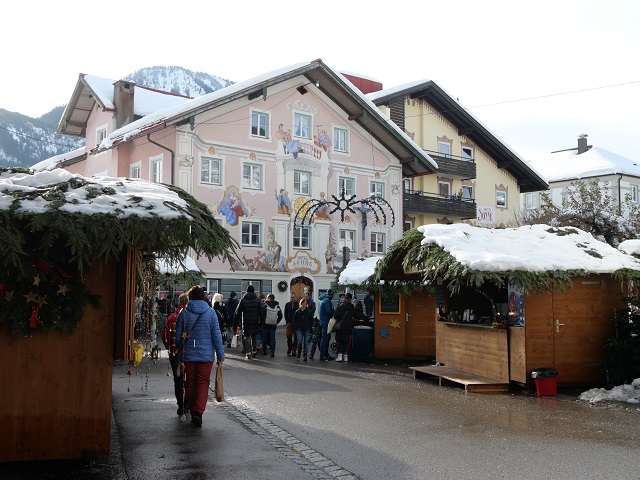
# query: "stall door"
582,320
420,322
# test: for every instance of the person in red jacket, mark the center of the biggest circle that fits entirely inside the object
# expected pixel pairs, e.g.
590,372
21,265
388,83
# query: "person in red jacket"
171,344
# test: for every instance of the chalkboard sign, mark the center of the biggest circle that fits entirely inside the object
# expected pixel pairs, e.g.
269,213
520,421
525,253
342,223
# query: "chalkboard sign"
390,303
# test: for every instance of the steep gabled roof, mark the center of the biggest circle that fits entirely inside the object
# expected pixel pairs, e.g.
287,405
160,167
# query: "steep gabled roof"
326,80
427,90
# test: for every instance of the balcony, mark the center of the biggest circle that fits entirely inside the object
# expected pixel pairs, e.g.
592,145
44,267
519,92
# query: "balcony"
417,201
454,167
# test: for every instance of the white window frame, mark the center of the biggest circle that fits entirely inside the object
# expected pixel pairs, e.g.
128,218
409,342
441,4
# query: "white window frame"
135,170
441,150
101,134
211,161
251,233
377,188
467,153
213,285
633,193
501,199
302,238
380,241
257,284
531,201
260,114
247,181
442,183
341,140
155,169
343,241
342,183
298,183
299,129
407,184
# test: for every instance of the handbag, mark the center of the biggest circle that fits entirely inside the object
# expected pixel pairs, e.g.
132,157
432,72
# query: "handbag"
218,385
334,325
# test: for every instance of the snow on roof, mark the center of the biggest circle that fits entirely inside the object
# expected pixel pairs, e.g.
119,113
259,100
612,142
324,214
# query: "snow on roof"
531,248
163,266
146,100
358,270
568,165
87,196
632,247
53,162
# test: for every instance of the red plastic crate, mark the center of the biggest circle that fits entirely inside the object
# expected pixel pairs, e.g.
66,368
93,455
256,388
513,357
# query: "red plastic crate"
546,386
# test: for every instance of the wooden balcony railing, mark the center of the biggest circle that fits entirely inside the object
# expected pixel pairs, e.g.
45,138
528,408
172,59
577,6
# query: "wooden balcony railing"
417,201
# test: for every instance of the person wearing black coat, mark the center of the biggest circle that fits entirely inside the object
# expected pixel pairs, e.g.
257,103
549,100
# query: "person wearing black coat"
247,315
232,304
302,322
270,330
345,312
292,338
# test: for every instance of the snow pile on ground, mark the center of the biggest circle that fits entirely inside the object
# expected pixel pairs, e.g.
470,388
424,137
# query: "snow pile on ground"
621,393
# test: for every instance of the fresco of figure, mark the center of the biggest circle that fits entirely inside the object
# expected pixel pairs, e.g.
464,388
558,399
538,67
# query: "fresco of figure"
282,202
233,209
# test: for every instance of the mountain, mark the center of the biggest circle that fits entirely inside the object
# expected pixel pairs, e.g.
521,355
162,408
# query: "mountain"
25,141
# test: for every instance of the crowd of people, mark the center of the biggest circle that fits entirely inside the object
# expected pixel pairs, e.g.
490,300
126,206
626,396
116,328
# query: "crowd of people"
198,327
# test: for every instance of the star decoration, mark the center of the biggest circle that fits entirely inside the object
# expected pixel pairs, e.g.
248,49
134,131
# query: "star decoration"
36,280
8,296
63,289
384,333
31,297
395,323
41,301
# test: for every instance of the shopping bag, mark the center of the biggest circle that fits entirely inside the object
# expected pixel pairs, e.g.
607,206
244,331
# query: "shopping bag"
334,325
235,341
218,386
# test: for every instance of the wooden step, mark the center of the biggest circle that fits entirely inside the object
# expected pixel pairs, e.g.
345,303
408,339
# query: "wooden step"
472,383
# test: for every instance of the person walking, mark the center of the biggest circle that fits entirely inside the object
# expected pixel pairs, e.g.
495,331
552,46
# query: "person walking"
271,315
232,304
247,315
325,314
292,337
200,343
221,309
345,312
302,322
171,341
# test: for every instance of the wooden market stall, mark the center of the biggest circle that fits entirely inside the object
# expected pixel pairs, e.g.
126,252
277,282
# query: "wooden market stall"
499,312
70,259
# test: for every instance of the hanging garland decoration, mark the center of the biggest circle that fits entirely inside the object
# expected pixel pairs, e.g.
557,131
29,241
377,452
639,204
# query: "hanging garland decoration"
43,296
282,286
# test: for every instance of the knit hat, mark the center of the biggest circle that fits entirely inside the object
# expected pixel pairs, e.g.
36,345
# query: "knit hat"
250,288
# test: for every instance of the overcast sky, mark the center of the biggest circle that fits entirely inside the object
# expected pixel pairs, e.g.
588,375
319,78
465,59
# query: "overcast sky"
537,74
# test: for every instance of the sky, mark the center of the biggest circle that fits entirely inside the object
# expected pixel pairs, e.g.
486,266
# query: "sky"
537,74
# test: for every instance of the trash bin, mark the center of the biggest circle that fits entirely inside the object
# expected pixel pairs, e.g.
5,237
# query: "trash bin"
545,379
361,343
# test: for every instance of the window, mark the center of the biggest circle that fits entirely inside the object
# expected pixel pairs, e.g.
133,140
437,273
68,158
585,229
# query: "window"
260,124
444,189
407,184
155,170
251,234
252,176
531,201
501,199
340,140
377,189
210,170
257,285
213,285
101,134
345,184
634,193
377,242
467,192
301,183
301,125
407,225
444,149
135,171
301,237
467,153
347,238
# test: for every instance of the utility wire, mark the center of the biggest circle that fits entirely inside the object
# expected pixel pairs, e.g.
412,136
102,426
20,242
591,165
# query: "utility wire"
15,132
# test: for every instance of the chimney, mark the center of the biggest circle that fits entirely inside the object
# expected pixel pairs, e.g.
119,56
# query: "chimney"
123,93
582,143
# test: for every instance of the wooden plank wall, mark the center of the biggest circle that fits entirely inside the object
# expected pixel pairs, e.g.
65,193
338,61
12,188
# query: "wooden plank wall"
480,351
517,355
56,403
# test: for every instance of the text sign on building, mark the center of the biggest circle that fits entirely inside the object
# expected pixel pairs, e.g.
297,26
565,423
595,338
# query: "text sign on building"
304,263
486,214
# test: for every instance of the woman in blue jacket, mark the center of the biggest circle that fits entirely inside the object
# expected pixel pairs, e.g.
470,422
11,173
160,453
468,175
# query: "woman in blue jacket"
201,344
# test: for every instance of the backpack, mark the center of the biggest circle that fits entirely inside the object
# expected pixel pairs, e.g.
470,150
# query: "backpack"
272,315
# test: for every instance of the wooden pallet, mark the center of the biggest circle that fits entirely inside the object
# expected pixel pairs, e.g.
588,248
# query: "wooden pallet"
472,383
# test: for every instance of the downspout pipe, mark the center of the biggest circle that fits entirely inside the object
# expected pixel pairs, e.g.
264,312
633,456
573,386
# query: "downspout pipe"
619,194
173,155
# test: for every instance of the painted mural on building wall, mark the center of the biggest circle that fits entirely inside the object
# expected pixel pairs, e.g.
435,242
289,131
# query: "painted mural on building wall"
282,202
233,207
269,260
